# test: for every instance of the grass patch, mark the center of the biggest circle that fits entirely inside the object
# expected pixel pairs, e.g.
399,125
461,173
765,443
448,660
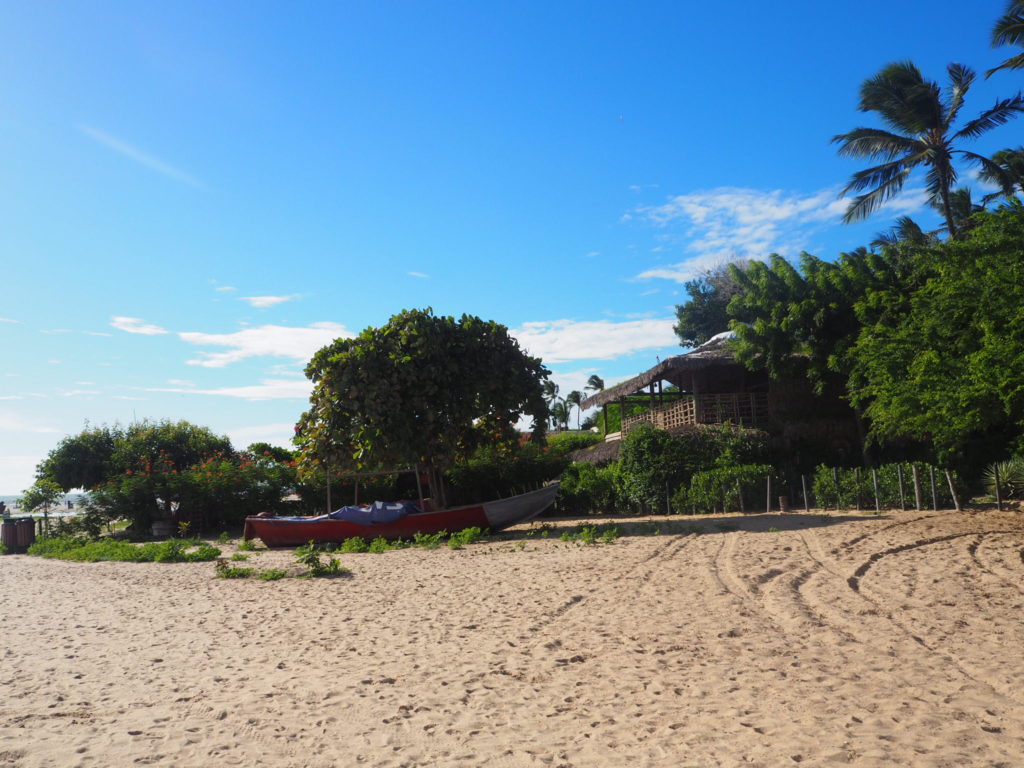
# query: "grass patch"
247,545
271,574
238,556
107,549
309,556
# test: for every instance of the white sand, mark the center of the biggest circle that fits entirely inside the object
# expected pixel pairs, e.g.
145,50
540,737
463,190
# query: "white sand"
844,640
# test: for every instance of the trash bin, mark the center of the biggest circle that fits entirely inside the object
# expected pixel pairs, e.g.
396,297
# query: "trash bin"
9,534
26,533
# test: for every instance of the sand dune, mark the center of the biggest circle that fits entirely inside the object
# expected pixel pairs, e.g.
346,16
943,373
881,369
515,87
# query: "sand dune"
834,640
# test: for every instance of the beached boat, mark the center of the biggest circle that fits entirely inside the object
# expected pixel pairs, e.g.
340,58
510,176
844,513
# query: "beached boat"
491,515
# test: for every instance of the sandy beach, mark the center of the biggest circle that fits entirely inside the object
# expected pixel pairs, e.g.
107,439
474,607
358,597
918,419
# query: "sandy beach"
769,640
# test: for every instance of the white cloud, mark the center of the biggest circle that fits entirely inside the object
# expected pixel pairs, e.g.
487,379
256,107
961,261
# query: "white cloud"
181,383
275,434
730,223
96,333
267,389
142,158
8,320
417,274
264,341
78,392
263,302
135,325
562,340
11,397
225,288
12,422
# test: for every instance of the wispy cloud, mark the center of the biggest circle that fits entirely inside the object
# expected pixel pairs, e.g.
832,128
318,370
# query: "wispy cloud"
267,389
263,302
140,157
12,422
417,274
562,340
224,288
80,392
264,341
135,325
8,320
730,223
275,434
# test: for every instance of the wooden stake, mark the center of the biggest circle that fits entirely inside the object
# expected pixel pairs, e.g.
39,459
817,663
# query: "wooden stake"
952,491
917,487
739,492
874,481
835,479
935,494
768,506
807,501
856,484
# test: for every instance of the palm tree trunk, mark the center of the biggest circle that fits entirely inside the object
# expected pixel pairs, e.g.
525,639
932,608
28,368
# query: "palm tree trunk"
947,210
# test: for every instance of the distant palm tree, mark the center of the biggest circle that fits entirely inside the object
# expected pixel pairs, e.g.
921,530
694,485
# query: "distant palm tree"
560,413
595,383
574,398
905,230
1009,30
922,117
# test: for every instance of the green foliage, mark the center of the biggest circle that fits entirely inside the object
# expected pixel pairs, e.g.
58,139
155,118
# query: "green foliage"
563,443
428,540
857,484
589,489
726,488
1011,478
494,472
3,549
82,550
931,366
224,537
355,544
655,464
704,313
247,545
44,494
465,537
275,452
238,557
225,571
422,389
271,574
309,556
379,545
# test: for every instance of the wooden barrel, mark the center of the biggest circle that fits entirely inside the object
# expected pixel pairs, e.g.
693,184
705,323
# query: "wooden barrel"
9,534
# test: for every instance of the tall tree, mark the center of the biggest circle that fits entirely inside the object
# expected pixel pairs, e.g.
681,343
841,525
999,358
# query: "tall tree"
423,390
595,383
922,118
573,399
1008,173
704,313
1009,30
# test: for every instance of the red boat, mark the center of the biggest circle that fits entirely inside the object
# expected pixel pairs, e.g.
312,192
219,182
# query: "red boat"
492,515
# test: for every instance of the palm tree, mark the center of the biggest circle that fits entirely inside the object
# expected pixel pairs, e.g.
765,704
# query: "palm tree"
1009,30
921,116
574,398
1008,174
905,230
595,383
560,413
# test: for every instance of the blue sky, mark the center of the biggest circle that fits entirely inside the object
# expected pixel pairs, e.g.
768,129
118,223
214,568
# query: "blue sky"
195,199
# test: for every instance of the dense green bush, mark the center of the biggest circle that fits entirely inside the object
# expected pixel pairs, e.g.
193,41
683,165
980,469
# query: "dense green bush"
564,443
1011,478
494,473
857,485
655,464
729,489
588,489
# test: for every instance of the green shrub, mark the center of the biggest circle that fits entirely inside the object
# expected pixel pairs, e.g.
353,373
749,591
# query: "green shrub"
3,549
271,574
83,550
563,443
225,571
588,489
857,484
428,540
465,537
1011,478
494,473
355,544
730,489
309,556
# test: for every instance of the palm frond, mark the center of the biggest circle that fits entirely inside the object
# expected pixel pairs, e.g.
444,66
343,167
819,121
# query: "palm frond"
960,79
903,98
993,172
1014,62
864,205
875,143
1001,113
1009,28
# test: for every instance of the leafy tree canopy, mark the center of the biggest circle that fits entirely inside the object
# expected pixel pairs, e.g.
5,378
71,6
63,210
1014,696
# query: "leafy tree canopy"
422,389
90,457
704,314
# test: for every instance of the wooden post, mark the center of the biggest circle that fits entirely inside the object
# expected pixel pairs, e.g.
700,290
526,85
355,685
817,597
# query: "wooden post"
999,491
768,506
899,480
839,497
917,486
952,491
807,501
874,482
935,494
668,501
725,498
856,485
604,417
739,492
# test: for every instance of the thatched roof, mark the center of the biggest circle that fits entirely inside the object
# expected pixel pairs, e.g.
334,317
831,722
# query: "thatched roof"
711,353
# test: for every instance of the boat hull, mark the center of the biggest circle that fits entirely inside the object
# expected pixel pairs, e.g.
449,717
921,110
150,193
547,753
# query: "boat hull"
492,515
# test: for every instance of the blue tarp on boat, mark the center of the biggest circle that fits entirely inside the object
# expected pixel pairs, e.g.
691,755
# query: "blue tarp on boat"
378,513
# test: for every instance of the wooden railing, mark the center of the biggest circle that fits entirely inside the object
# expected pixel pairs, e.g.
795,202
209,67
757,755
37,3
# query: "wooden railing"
746,408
